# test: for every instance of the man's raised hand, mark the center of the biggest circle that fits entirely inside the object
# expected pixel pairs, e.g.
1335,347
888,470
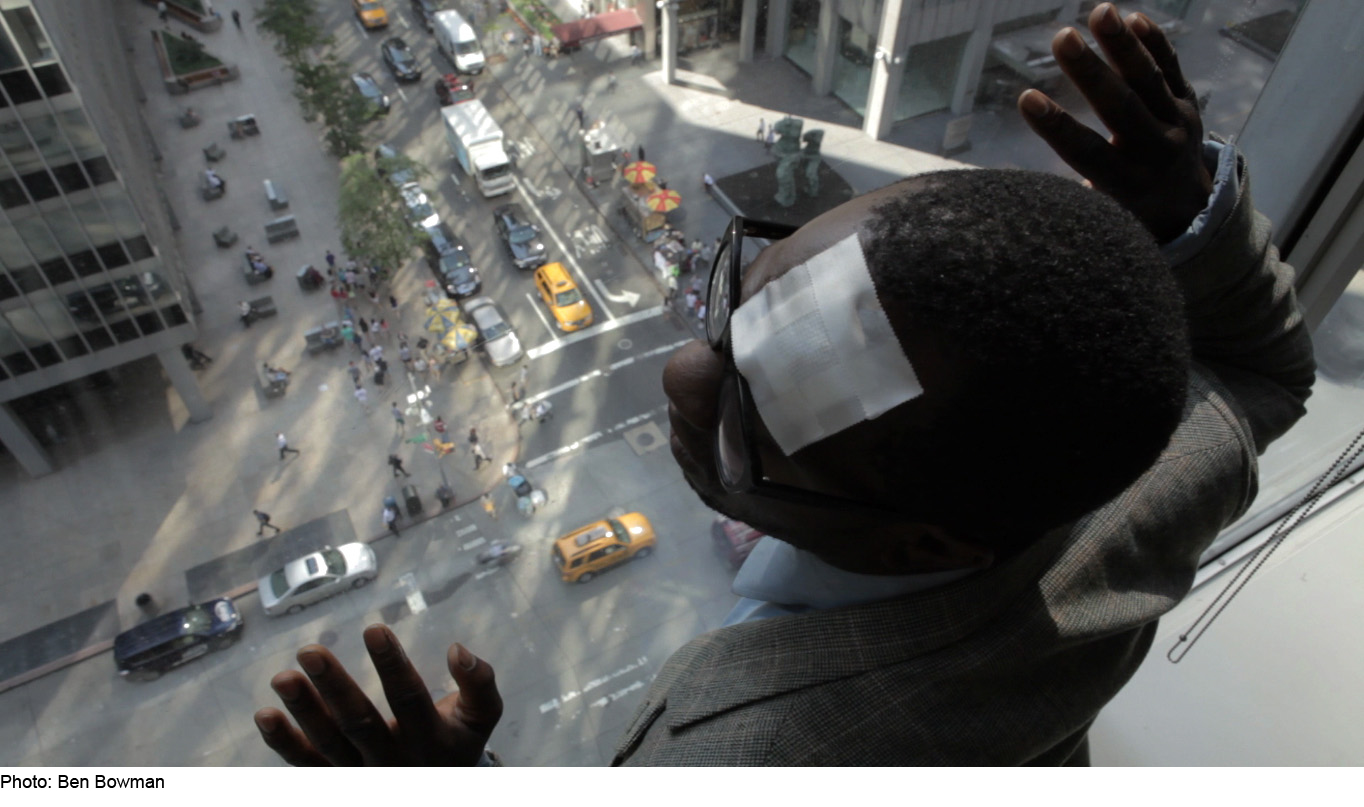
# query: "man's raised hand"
1153,163
339,725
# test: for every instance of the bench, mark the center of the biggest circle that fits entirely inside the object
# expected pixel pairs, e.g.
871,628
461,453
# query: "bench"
276,197
210,191
271,387
280,229
263,307
323,338
189,119
214,153
224,237
243,126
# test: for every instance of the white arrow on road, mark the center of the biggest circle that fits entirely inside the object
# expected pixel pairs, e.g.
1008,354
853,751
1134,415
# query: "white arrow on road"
630,298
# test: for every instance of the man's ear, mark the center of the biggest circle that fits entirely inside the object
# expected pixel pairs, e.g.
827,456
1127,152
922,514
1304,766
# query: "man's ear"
917,548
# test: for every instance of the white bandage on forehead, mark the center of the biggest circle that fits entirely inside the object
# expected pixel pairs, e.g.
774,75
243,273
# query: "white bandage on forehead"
817,350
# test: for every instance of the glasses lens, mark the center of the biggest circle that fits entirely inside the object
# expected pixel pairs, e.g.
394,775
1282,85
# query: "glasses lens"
730,457
717,300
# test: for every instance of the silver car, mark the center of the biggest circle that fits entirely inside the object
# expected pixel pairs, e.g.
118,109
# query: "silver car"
494,332
420,211
316,577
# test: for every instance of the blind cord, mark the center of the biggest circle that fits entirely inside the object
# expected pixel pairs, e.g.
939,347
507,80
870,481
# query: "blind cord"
1290,522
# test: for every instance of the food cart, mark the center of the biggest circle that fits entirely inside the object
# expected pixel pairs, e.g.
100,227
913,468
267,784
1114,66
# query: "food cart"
647,224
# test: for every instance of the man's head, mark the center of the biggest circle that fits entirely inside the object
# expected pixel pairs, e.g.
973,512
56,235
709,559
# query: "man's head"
1048,337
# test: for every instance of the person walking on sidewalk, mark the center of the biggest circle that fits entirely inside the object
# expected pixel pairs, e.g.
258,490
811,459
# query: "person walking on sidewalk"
196,357
331,262
762,130
488,506
237,19
391,520
354,374
283,443
161,10
398,421
264,519
610,83
636,55
396,463
362,397
480,456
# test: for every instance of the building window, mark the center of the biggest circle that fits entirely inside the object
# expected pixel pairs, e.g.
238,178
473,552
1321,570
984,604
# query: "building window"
29,34
139,248
85,262
175,315
40,185
113,255
46,354
19,363
52,80
73,346
125,331
20,87
98,339
7,288
12,194
150,323
100,170
56,271
71,177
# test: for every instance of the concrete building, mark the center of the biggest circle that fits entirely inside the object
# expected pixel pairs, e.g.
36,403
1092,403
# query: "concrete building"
90,279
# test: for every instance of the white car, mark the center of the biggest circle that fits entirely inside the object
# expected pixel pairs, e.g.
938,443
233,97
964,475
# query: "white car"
420,211
494,332
316,577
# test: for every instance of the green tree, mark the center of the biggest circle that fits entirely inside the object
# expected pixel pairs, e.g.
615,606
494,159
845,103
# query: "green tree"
324,90
293,23
370,213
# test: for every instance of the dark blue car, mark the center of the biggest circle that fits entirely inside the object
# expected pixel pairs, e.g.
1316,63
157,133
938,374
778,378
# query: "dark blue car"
144,652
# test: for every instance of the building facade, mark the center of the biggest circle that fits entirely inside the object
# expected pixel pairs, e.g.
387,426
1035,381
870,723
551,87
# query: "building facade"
89,275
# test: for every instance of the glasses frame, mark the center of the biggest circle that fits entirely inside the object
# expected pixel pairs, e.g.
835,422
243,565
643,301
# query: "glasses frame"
718,333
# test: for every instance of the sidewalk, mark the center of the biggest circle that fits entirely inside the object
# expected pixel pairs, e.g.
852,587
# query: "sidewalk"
148,497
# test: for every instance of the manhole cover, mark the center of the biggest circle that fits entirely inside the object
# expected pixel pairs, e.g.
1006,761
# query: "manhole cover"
645,438
625,344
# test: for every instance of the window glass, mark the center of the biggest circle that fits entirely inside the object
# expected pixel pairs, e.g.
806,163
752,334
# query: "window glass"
29,34
20,87
79,132
9,55
39,185
52,80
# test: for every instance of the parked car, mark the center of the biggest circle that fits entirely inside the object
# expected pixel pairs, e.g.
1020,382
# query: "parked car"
370,90
587,551
448,257
561,294
733,540
385,169
419,209
452,88
425,12
133,290
370,14
401,61
144,652
313,578
521,238
494,332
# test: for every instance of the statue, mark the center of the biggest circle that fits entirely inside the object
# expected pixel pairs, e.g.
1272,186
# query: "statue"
810,159
787,151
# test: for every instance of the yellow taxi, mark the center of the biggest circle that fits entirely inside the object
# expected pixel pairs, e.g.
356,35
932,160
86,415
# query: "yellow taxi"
561,294
370,14
587,551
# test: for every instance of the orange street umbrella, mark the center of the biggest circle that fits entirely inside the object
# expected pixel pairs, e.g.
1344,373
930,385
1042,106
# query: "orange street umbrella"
663,201
639,171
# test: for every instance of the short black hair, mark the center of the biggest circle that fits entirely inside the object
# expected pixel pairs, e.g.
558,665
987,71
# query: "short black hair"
1068,328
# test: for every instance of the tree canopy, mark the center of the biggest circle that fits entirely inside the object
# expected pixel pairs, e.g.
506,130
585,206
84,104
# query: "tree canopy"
370,213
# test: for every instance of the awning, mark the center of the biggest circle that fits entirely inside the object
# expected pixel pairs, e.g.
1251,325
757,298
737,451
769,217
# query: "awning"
573,34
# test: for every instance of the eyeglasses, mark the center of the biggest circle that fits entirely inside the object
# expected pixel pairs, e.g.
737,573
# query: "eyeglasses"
736,456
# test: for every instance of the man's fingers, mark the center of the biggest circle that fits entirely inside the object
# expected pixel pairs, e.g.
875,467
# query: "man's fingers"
285,740
1081,147
1112,99
302,701
352,712
479,706
1163,53
1130,58
408,697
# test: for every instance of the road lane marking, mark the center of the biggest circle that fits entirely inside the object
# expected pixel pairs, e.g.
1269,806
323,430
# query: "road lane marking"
536,308
630,298
571,695
463,531
573,382
568,256
587,333
628,423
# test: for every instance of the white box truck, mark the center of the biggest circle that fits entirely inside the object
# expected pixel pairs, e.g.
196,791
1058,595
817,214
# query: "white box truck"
476,140
458,41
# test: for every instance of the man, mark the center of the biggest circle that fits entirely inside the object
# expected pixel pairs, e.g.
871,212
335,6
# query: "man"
237,19
264,521
991,474
399,424
396,463
282,443
391,521
245,312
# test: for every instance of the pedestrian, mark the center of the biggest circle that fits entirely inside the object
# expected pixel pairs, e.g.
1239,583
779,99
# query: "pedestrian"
438,426
515,392
283,443
331,261
691,298
419,366
358,341
383,329
237,19
354,374
375,353
701,312
762,130
396,463
580,113
391,520
542,411
264,519
771,138
215,181
393,301
708,255
362,397
611,83
636,55
161,10
537,44
196,357
244,309
480,456
641,152
374,298
364,326
488,506
380,372
405,355
398,418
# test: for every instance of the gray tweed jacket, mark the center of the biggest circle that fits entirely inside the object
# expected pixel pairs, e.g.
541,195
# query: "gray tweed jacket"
1011,665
